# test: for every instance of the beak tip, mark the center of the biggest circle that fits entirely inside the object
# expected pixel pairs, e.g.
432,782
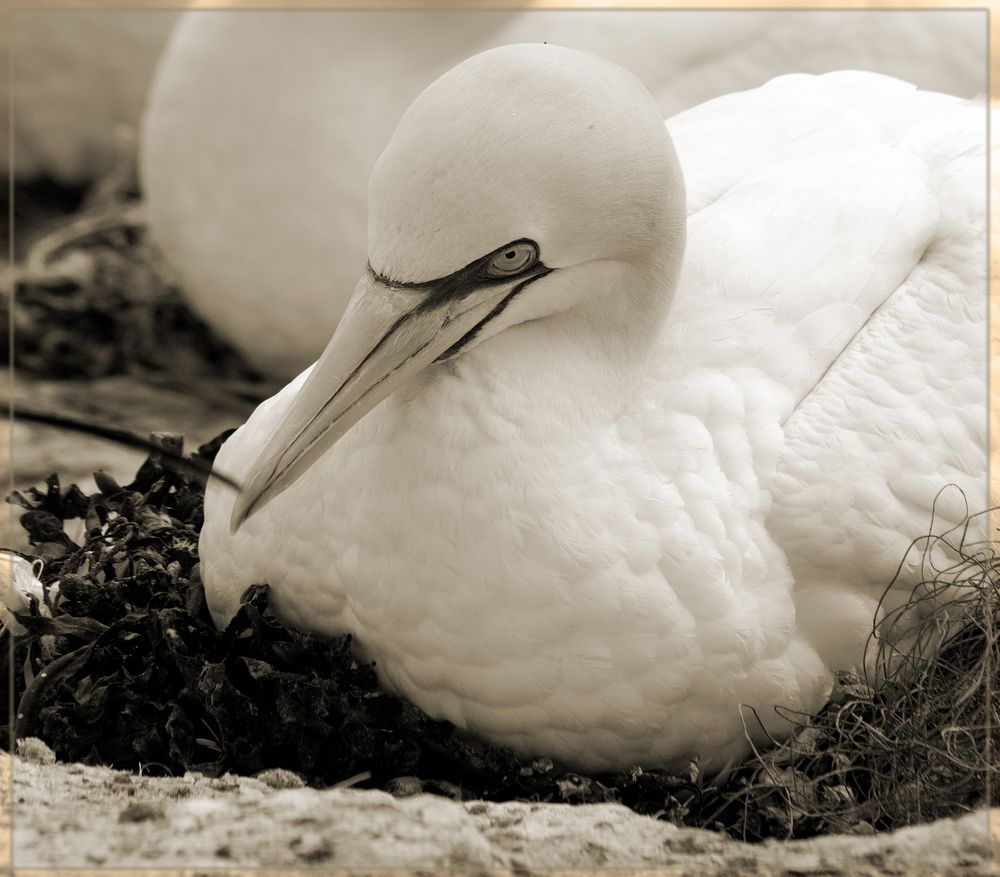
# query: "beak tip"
255,493
242,509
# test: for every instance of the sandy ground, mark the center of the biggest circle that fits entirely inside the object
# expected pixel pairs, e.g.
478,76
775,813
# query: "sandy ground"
72,816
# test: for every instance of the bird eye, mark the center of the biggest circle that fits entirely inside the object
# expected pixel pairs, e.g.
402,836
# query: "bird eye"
512,259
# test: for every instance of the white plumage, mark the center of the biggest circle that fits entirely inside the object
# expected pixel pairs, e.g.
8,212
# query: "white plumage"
621,513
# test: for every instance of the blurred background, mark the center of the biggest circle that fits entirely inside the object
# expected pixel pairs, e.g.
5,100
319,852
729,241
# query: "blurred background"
188,214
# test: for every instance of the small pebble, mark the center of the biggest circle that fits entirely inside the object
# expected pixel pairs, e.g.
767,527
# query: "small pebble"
312,847
862,827
33,749
280,778
141,811
442,787
404,787
170,441
225,782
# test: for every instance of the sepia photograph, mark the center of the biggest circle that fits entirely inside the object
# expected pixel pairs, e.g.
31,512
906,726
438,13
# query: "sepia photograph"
498,440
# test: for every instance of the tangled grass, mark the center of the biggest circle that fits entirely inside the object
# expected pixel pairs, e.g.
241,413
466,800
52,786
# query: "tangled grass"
915,736
124,667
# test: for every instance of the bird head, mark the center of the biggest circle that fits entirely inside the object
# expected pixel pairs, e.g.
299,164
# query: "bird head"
527,182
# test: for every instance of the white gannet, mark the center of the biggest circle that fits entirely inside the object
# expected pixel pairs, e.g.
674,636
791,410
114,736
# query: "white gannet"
590,497
75,88
262,127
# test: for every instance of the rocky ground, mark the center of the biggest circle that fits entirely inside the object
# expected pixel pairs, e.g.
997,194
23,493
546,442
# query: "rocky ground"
72,816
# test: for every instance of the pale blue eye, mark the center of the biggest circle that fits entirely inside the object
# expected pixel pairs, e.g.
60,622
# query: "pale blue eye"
512,259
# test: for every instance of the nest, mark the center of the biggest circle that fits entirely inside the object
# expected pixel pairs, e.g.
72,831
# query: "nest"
915,737
94,298
123,666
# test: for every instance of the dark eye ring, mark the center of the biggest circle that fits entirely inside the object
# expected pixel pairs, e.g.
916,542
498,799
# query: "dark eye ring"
512,259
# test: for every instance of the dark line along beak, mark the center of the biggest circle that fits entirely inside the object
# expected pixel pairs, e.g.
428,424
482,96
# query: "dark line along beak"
388,334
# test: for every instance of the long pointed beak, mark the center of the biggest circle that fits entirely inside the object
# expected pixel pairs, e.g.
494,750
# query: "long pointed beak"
387,335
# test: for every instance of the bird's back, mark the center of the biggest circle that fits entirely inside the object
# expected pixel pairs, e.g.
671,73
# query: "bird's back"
836,273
